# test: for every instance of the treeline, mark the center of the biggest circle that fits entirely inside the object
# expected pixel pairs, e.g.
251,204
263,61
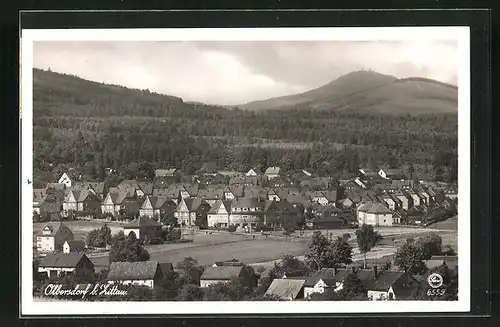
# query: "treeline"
78,126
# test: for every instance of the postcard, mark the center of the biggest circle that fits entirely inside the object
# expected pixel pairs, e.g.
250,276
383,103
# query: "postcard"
245,170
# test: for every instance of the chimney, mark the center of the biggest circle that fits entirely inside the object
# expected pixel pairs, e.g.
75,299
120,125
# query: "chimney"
375,272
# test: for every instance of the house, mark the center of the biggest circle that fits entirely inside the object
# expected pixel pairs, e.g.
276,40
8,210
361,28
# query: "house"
255,192
287,288
272,172
232,262
326,217
39,196
451,261
387,285
379,215
53,264
96,188
219,214
259,180
247,212
318,197
165,172
297,200
67,179
157,206
73,246
281,213
231,192
406,201
53,236
225,274
451,192
211,195
358,183
81,200
114,201
254,172
143,227
146,273
323,279
389,201
403,184
167,268
190,209
368,173
388,173
362,211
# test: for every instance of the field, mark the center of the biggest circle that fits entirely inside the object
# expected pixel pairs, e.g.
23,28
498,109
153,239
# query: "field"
263,250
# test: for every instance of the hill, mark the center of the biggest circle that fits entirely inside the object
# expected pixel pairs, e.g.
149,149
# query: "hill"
367,91
91,126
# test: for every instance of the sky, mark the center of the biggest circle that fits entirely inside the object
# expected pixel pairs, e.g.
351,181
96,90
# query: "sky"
238,72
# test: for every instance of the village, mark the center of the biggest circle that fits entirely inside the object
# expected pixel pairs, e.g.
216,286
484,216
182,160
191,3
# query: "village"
247,226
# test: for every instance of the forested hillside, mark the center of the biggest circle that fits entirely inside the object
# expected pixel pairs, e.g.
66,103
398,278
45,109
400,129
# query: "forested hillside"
82,124
371,92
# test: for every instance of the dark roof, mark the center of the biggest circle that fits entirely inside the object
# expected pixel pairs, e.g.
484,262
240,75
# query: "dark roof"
142,222
133,270
246,203
76,245
216,206
193,204
54,228
62,260
211,194
166,267
321,274
384,280
222,272
146,187
379,209
232,262
55,186
364,207
438,260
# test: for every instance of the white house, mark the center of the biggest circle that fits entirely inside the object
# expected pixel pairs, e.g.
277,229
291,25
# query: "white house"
53,236
66,180
362,211
73,246
254,172
224,274
324,279
379,215
219,214
272,172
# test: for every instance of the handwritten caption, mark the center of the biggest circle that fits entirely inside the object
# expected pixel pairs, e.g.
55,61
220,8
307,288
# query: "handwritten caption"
83,291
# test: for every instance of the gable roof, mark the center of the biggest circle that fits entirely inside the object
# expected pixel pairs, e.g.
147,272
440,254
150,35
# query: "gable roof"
286,288
62,260
438,260
133,270
76,245
146,187
142,222
272,170
54,228
384,280
216,206
237,191
38,195
193,204
364,207
245,202
166,267
222,272
379,208
323,273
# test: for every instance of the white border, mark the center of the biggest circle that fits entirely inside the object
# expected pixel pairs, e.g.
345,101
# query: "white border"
460,34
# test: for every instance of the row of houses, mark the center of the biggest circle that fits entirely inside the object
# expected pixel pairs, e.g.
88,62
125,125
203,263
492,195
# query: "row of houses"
379,285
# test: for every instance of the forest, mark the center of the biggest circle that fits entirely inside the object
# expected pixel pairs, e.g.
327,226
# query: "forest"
92,126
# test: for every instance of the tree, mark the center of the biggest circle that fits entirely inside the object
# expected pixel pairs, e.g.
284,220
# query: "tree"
430,244
231,229
191,271
128,250
170,220
232,291
91,238
409,258
367,238
326,254
190,292
352,286
288,265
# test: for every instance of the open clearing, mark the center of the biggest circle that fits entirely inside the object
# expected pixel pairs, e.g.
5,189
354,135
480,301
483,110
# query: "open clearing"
207,248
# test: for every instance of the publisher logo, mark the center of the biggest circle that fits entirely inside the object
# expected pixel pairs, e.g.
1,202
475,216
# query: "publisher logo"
435,280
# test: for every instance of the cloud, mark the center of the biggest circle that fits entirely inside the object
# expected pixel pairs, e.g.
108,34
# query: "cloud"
239,72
